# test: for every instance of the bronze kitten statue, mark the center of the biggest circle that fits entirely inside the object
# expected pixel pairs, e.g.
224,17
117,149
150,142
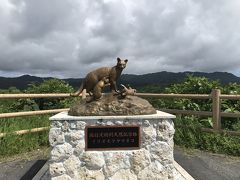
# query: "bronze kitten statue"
97,90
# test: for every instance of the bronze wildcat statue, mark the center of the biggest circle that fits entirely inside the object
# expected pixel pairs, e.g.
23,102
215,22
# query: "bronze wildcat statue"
111,73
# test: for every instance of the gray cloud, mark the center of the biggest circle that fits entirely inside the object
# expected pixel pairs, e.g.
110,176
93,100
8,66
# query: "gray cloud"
71,37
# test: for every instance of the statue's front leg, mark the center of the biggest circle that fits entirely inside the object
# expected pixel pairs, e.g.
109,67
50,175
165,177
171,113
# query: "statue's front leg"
114,87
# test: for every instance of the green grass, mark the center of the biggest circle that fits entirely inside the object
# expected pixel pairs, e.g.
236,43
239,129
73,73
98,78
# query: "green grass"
27,122
15,144
188,134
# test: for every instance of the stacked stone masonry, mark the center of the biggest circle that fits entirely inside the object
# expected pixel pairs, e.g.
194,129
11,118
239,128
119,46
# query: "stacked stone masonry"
70,161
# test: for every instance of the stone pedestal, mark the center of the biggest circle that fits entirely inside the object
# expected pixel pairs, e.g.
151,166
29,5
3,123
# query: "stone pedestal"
152,161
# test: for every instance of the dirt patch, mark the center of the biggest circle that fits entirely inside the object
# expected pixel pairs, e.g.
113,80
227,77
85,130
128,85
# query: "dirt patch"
42,153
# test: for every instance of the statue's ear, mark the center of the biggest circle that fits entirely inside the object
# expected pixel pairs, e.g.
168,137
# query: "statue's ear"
125,60
118,59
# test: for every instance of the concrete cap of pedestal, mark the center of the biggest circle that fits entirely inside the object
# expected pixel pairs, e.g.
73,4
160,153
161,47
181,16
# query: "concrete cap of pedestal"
159,115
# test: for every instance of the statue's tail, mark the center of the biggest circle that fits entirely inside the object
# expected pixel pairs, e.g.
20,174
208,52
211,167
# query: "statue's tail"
79,91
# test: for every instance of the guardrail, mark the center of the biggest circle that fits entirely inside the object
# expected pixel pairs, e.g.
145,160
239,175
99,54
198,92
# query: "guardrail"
216,113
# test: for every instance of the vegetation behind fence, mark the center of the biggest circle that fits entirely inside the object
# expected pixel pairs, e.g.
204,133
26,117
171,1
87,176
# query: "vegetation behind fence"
197,113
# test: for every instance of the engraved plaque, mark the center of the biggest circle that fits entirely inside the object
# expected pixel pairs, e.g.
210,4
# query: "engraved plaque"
112,137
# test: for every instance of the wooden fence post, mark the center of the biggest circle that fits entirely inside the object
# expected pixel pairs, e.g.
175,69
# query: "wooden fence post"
216,117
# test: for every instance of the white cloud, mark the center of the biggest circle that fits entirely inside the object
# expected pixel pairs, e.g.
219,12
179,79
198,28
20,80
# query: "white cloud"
71,37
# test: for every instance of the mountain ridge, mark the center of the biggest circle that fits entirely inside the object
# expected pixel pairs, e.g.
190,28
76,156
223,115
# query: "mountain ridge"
162,78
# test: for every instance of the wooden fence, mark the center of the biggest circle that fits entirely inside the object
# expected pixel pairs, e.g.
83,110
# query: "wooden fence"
216,113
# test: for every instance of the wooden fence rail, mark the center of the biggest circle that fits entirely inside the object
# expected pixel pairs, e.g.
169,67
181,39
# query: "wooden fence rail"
30,113
25,131
181,96
17,96
216,113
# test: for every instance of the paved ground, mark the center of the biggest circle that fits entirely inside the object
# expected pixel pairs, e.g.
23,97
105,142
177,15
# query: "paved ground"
24,166
23,170
201,165
208,166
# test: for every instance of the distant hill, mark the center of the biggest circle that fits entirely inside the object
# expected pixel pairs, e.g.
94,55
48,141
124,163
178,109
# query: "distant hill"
167,78
160,78
21,82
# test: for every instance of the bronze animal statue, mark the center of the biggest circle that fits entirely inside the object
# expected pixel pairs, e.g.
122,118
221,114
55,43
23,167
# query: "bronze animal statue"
92,78
127,91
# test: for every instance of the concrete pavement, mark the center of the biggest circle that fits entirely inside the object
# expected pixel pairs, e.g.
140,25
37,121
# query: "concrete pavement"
208,166
201,165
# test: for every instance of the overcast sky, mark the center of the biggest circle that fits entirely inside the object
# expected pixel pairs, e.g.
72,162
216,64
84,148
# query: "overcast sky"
68,38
